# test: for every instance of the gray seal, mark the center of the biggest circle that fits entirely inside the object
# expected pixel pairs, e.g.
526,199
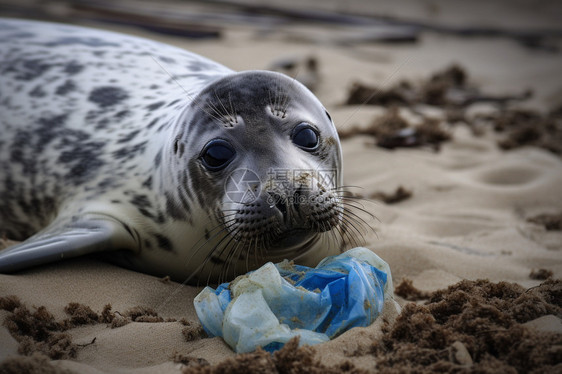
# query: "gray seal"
159,159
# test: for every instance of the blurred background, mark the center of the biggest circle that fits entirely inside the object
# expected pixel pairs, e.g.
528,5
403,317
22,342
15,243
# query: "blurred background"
509,45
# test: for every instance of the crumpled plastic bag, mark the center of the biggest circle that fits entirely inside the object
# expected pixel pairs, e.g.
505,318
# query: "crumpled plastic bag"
269,306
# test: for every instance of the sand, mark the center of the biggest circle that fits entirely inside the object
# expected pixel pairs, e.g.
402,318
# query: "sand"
468,209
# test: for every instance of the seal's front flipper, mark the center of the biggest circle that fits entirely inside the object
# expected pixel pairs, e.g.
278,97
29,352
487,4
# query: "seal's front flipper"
88,234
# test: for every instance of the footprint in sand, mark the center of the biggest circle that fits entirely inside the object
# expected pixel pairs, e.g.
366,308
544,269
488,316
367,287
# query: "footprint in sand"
508,175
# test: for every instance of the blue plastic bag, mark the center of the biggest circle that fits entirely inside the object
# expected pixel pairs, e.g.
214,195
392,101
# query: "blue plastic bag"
269,306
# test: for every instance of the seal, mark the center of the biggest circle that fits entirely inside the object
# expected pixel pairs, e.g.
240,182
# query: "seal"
162,160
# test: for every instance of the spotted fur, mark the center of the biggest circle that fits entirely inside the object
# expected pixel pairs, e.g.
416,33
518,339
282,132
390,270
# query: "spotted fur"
95,122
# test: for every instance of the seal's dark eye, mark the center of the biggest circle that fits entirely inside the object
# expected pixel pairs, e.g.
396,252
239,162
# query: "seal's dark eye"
217,154
305,137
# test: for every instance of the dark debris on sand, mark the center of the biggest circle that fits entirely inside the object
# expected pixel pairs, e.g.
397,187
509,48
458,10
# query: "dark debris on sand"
289,359
483,317
393,131
143,314
38,332
527,127
551,222
470,327
36,363
192,331
451,91
541,274
399,195
189,361
406,290
447,88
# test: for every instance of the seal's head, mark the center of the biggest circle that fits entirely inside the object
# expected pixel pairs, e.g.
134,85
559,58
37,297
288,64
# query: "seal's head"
263,159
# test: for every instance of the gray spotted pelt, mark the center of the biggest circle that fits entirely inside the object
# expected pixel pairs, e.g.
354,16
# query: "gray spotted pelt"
117,143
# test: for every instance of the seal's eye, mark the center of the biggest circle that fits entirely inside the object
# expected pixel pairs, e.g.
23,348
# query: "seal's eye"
305,137
217,154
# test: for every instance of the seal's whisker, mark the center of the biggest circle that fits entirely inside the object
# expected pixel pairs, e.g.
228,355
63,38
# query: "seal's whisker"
270,101
346,234
331,238
266,238
262,251
360,224
278,95
228,260
346,186
223,226
345,237
220,116
285,103
261,247
257,249
352,233
273,100
336,231
224,229
231,210
324,237
346,192
215,110
232,108
346,189
226,112
352,206
358,203
237,248
207,259
203,263
359,220
189,96
350,195
212,254
247,260
245,245
360,207
219,256
253,248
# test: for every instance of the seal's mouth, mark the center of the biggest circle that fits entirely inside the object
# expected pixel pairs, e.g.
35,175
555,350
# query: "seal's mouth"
291,238
291,244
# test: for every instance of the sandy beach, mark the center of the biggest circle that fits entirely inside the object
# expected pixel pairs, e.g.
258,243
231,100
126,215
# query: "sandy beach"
481,202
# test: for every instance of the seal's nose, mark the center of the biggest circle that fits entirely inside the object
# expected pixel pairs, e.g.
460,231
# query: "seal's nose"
289,206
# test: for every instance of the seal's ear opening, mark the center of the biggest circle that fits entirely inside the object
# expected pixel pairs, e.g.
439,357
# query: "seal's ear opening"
328,115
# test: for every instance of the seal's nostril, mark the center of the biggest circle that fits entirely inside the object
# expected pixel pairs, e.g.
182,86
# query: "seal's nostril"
282,206
297,199
279,202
